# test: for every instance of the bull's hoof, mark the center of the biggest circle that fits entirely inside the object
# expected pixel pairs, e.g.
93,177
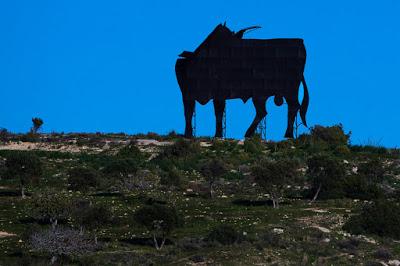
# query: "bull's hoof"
249,134
289,135
188,135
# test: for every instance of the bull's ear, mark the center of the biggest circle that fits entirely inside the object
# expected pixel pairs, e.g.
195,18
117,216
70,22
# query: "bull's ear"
186,54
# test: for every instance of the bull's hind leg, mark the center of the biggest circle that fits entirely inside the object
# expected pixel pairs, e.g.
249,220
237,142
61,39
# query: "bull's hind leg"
188,106
261,112
293,108
219,107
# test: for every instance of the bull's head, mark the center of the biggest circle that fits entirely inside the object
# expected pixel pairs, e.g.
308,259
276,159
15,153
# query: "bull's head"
219,35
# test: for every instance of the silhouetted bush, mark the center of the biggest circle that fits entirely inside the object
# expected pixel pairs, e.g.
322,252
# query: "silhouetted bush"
25,166
224,234
159,219
381,218
275,175
82,178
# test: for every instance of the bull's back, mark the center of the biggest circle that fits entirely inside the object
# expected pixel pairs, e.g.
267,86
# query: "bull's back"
243,69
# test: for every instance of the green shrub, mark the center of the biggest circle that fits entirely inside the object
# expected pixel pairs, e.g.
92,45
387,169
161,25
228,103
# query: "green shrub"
342,150
333,135
372,170
275,175
181,148
381,218
82,178
133,152
253,145
368,149
159,219
121,167
327,177
29,137
172,177
25,166
224,234
358,187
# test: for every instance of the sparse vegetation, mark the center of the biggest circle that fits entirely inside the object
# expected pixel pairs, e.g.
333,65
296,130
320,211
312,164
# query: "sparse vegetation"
130,198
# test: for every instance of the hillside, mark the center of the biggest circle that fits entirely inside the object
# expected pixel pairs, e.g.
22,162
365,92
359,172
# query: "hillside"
91,199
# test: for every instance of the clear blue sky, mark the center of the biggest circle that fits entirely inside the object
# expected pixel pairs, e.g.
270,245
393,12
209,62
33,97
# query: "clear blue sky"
108,66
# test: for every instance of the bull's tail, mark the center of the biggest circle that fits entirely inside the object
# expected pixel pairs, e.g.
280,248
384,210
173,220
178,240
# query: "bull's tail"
304,103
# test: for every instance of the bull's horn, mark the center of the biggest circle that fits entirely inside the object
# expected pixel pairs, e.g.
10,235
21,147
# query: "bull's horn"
240,33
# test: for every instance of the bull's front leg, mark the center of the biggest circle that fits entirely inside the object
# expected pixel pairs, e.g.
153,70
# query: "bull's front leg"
188,106
261,112
219,107
293,108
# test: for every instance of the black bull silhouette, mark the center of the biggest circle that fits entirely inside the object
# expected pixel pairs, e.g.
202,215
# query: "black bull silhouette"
226,66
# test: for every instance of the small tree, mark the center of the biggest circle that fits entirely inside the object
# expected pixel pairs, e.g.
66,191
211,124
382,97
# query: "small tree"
159,219
327,176
212,170
50,206
37,124
25,166
274,176
91,216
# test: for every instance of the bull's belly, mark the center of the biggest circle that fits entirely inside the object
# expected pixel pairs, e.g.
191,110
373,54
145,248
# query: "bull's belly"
207,93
